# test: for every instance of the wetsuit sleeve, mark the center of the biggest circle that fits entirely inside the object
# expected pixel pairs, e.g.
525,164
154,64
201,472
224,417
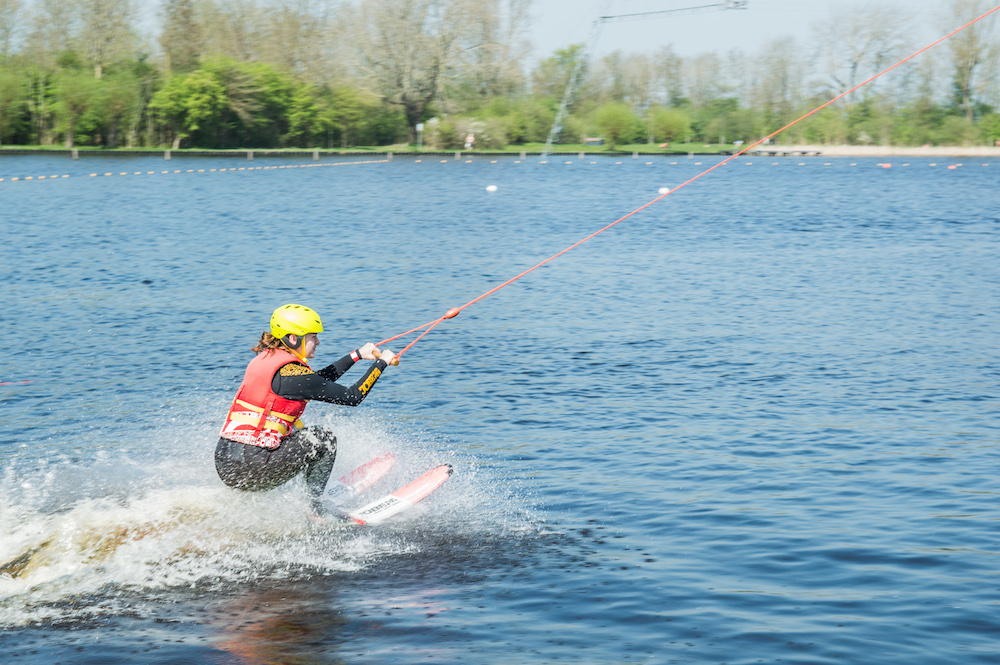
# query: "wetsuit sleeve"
295,381
334,371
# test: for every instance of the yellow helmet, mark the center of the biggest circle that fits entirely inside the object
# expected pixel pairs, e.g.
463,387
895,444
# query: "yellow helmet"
295,320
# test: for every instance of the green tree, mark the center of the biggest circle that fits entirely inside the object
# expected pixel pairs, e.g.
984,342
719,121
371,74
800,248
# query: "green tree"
274,92
669,124
40,83
551,76
189,101
305,120
345,109
76,92
12,103
829,127
383,125
708,121
118,93
530,119
241,107
989,126
137,116
957,130
617,122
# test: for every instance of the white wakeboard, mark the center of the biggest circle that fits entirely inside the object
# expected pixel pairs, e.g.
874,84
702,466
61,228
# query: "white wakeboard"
403,498
357,481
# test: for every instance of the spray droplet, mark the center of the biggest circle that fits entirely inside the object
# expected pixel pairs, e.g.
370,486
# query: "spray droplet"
491,188
664,190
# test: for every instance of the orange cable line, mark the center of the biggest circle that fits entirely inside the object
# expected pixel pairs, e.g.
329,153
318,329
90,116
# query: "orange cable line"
454,311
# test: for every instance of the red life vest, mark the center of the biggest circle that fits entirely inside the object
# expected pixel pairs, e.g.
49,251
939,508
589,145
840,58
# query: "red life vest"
259,416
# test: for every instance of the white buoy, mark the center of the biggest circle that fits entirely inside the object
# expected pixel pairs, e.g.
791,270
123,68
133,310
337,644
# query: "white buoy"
491,188
664,190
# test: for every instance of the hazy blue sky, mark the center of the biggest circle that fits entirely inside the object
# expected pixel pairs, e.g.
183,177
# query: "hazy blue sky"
559,23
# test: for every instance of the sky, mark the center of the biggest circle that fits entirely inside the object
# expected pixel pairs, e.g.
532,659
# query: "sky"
559,23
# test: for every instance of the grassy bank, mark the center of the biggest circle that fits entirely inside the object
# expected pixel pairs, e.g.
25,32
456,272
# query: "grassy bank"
534,148
538,148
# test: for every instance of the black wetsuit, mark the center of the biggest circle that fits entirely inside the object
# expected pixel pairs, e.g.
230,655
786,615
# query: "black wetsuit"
312,449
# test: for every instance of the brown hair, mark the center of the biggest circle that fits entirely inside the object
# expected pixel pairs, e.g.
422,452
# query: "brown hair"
268,342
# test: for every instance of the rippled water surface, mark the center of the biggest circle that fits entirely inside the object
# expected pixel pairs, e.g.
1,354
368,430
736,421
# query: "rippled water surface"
756,422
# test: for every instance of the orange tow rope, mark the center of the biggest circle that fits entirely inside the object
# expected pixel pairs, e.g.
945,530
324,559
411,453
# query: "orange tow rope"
454,311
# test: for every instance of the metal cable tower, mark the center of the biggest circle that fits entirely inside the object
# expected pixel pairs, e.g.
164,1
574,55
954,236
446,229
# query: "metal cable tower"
595,33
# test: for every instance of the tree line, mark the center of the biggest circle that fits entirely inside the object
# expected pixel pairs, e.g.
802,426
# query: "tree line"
326,74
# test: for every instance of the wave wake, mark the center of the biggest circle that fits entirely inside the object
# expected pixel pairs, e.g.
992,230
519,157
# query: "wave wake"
79,540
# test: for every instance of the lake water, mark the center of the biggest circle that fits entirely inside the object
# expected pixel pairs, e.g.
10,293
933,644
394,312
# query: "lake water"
754,423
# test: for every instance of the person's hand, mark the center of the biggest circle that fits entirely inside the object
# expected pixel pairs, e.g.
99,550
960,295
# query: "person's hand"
388,356
368,351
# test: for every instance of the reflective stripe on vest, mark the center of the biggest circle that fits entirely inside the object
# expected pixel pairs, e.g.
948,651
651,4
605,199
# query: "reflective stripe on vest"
259,416
281,427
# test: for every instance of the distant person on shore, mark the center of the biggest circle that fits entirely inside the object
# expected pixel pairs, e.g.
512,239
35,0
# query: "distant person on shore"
470,141
263,444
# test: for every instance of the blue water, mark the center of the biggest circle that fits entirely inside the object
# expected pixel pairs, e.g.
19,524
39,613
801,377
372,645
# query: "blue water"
756,422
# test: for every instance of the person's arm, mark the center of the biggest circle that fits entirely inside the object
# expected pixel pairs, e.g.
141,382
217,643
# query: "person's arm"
333,372
295,381
337,369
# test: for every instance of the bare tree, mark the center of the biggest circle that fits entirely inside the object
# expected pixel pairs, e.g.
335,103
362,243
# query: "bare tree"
638,75
405,47
230,28
668,66
626,78
704,75
181,37
55,27
989,87
294,34
494,47
607,78
10,14
101,31
971,51
108,31
858,42
778,88
743,72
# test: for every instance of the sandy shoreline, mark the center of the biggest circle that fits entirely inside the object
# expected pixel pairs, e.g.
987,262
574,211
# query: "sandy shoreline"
887,151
